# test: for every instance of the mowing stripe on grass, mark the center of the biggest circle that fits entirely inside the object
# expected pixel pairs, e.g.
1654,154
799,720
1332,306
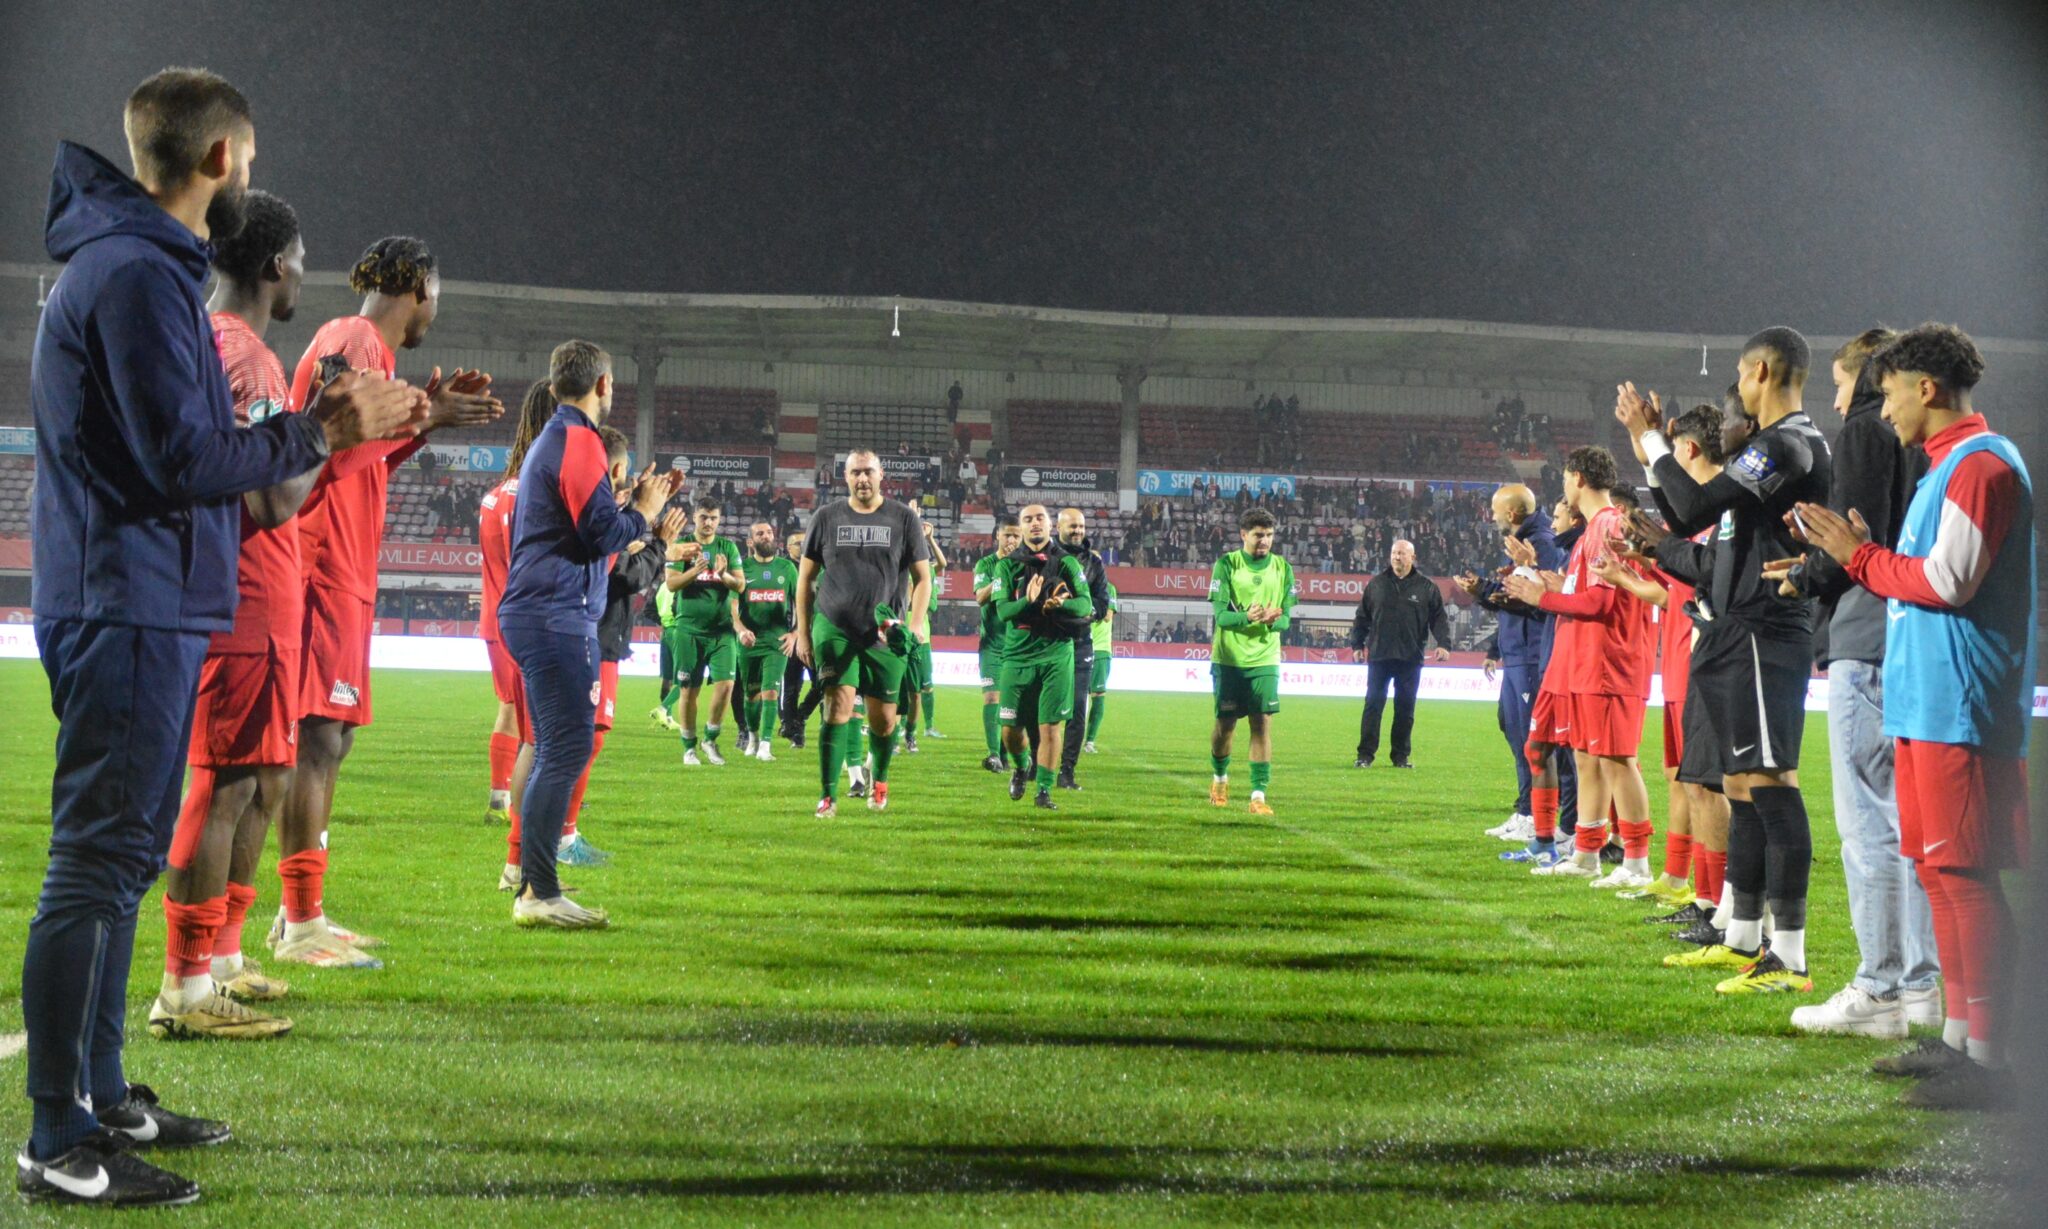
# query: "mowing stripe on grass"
12,1044
1422,887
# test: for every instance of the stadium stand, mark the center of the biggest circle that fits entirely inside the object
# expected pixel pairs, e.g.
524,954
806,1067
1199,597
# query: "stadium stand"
17,475
1065,432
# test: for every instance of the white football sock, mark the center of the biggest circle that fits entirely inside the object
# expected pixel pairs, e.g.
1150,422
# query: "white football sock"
1955,1034
1980,1051
227,968
1790,945
501,799
184,993
1725,908
1745,936
1639,866
295,931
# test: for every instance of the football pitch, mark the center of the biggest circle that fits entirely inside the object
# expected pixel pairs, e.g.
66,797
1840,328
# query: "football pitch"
1140,1010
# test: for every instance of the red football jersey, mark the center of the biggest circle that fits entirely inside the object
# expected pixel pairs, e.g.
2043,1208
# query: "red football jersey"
342,525
494,535
270,593
1676,665
1614,654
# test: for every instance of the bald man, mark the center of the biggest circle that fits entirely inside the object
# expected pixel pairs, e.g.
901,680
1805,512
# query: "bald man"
1515,653
1397,614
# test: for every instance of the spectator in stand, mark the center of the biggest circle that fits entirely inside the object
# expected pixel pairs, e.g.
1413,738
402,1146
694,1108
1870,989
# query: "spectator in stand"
953,396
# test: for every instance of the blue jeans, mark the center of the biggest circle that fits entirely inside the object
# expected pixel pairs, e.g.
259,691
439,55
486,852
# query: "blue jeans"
560,673
123,697
1887,905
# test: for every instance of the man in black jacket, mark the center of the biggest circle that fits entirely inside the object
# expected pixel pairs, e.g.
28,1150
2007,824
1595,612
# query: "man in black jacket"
1073,533
1875,475
1398,613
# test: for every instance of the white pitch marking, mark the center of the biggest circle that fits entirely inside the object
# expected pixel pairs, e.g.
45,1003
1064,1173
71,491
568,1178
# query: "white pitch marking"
12,1044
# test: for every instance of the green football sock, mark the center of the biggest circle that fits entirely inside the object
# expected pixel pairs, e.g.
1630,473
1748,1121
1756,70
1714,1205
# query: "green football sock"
1021,760
992,728
1262,775
669,697
711,733
929,703
1220,765
830,759
1094,715
1044,779
883,747
689,740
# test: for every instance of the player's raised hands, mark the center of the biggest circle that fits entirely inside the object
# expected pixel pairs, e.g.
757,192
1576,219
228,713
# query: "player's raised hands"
1827,530
672,524
357,406
1553,582
1522,552
651,490
1032,590
1780,570
1468,581
1636,413
462,400
1524,589
1059,594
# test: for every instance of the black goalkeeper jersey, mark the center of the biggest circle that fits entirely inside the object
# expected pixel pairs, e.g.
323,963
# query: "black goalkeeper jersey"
1785,463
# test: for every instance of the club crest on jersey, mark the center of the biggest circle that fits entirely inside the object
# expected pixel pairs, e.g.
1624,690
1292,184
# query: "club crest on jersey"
344,695
1727,530
1754,464
596,692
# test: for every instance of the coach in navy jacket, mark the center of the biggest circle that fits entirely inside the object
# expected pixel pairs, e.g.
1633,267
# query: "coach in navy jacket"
1521,633
136,526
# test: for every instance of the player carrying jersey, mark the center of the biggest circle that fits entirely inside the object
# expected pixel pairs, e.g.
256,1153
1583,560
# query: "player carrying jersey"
1041,596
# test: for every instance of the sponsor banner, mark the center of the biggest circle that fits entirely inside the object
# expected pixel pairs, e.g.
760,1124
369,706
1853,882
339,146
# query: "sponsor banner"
415,652
1315,587
430,557
1058,478
723,466
914,468
1182,482
463,458
18,441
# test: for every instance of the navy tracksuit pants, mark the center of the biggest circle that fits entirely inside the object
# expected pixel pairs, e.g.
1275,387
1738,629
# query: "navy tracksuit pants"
1518,685
560,673
123,697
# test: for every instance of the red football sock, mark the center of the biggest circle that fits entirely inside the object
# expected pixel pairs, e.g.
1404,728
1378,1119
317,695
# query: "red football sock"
303,879
1591,837
1635,837
1955,975
188,935
1983,929
192,818
1543,802
227,941
504,750
582,783
1677,855
512,836
1712,867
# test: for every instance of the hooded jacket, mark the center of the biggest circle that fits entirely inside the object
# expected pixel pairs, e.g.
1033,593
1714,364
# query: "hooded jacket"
140,467
1875,475
1098,592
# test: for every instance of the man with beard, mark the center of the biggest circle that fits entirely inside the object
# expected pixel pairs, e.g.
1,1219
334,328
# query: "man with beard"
762,620
140,474
340,532
858,550
1073,530
1252,592
1041,597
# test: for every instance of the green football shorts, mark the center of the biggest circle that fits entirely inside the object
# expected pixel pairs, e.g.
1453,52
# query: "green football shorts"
991,656
700,658
1240,691
1038,692
1098,678
873,669
761,667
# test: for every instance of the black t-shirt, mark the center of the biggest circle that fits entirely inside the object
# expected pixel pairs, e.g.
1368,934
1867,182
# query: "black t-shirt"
1786,463
863,557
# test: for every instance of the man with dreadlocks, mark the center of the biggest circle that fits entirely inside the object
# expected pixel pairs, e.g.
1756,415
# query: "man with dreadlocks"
512,732
340,531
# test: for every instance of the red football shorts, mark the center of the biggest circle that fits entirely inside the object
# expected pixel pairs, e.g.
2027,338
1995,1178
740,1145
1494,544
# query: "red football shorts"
607,692
1551,719
247,710
1960,808
510,685
1674,733
1606,725
337,657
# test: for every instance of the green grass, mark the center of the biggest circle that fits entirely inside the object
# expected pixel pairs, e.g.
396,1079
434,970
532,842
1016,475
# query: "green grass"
1138,1011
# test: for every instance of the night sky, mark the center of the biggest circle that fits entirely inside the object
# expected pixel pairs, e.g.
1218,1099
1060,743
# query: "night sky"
1663,166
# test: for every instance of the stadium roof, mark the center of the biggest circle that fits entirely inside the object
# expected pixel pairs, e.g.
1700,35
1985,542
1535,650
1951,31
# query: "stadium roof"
981,336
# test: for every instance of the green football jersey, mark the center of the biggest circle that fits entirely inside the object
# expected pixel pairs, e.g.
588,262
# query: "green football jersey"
1236,584
992,630
1032,634
700,605
768,603
1103,633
